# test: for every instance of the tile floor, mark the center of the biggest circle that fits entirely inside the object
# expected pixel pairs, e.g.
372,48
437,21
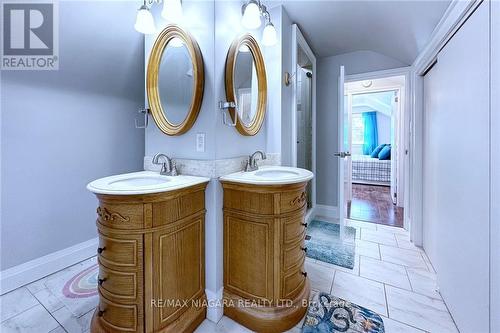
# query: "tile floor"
374,204
390,276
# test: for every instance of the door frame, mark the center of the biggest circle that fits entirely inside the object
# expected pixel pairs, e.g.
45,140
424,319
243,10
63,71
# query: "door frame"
399,123
298,41
406,117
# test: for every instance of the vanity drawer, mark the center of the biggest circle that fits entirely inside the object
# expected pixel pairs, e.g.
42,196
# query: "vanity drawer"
119,317
293,256
118,285
294,228
293,200
293,282
125,251
121,215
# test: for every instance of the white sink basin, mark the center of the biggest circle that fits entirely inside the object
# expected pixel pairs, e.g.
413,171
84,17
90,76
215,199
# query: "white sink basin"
142,182
270,175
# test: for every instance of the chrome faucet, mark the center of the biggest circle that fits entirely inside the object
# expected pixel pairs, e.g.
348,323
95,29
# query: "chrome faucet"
168,167
252,160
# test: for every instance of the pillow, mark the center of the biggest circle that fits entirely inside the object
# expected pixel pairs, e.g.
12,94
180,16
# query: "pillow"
377,150
385,153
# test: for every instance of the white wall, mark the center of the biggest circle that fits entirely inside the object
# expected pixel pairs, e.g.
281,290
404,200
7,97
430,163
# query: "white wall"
456,172
62,129
215,25
327,105
495,167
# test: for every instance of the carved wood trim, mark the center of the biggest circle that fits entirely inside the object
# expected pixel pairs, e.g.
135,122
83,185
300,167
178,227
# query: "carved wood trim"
107,215
299,200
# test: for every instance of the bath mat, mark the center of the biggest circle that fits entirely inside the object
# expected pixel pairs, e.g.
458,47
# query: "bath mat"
325,243
76,286
327,313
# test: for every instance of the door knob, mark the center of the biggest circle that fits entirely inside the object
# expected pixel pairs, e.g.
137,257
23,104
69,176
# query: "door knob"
342,154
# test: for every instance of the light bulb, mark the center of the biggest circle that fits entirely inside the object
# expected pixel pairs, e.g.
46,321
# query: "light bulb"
172,11
145,22
269,35
251,16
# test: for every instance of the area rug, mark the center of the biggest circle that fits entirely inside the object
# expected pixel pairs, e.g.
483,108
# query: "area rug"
327,313
325,244
76,286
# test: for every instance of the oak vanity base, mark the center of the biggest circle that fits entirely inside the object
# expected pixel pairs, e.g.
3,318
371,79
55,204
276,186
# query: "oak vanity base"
151,259
267,318
265,285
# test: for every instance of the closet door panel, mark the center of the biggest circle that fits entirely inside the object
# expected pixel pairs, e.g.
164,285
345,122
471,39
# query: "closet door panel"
456,172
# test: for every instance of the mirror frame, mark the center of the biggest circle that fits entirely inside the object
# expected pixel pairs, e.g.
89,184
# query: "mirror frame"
249,41
154,99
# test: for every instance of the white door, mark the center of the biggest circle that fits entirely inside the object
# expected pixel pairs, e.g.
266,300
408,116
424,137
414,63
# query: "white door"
394,145
348,146
341,153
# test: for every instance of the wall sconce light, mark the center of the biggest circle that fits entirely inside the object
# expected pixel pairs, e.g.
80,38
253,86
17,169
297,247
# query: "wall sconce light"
252,13
172,12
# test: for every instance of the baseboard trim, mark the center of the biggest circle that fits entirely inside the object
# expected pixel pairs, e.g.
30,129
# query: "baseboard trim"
18,276
215,310
327,211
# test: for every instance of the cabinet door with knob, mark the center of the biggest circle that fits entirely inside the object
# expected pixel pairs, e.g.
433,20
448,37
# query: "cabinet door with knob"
265,284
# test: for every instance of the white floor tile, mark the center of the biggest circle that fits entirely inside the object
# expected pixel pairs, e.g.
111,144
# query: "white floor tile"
392,326
15,302
206,326
320,276
354,270
36,286
423,282
403,257
405,243
59,329
394,230
381,237
367,249
48,300
71,323
384,272
361,291
428,262
361,224
227,325
34,320
420,311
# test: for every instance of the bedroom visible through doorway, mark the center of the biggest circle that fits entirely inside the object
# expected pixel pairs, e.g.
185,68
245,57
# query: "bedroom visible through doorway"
373,122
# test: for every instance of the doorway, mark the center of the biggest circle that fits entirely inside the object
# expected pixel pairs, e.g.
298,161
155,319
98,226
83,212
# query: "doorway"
374,136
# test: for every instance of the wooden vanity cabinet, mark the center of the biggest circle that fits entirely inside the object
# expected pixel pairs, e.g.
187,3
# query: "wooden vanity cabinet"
265,285
151,262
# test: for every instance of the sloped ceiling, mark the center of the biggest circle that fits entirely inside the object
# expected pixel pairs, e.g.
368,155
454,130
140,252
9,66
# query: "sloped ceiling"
397,29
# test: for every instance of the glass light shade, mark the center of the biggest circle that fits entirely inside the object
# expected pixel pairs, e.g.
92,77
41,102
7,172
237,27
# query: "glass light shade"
269,35
145,22
172,11
251,16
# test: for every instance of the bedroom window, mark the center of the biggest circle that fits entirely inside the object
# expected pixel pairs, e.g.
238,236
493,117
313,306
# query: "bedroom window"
357,129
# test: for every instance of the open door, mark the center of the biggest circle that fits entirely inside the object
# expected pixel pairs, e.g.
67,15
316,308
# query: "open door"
342,153
394,143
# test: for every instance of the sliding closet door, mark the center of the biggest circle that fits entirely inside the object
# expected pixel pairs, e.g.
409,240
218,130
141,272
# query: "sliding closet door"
456,172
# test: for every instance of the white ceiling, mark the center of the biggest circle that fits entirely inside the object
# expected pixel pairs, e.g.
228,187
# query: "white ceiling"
398,29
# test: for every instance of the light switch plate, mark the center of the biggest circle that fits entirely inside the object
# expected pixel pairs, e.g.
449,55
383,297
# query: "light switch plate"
200,142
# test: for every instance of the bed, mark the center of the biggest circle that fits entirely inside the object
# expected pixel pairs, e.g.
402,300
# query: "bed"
369,170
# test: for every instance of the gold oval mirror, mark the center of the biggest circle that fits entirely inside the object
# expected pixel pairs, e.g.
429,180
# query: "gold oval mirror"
175,80
246,84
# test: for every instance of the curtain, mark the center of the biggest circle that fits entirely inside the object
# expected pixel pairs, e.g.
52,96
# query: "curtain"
370,137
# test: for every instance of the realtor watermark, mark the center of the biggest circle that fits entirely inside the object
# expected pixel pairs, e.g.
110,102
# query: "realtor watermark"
30,38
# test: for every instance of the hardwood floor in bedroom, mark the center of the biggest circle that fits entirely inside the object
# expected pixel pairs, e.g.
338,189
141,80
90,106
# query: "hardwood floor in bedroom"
373,203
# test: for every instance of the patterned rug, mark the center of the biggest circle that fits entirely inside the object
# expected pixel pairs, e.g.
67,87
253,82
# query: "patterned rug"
328,313
76,287
325,243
